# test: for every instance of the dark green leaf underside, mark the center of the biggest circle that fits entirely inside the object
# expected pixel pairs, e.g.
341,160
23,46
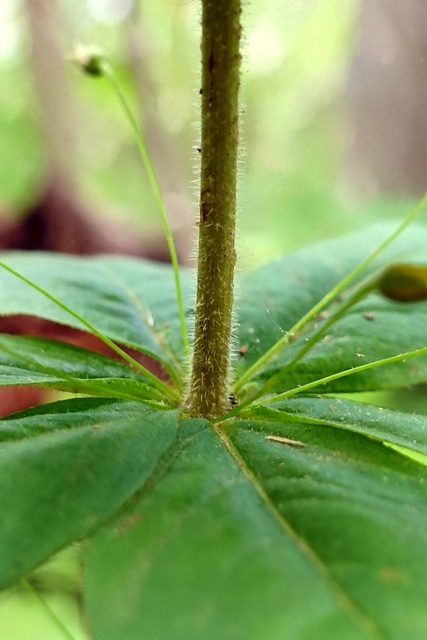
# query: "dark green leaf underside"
372,330
67,414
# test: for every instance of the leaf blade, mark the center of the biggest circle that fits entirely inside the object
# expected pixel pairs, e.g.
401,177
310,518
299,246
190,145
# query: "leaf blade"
362,511
202,556
50,364
57,486
126,307
373,329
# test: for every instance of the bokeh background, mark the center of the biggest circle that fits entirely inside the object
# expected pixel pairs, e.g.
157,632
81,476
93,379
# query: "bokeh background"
333,106
335,137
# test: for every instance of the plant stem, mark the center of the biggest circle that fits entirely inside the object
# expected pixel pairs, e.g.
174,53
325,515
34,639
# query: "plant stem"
347,372
108,72
221,34
250,372
153,380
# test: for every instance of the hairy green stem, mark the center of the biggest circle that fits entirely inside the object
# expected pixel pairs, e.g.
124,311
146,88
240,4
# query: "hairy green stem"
221,34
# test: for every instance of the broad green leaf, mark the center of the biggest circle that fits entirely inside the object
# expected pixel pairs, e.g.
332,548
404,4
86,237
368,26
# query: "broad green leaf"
274,297
372,330
203,554
51,364
66,414
383,425
57,486
132,301
358,508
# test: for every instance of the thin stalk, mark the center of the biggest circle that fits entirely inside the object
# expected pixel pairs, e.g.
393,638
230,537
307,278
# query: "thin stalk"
221,34
47,609
346,372
108,72
358,294
155,382
361,291
152,399
248,374
320,381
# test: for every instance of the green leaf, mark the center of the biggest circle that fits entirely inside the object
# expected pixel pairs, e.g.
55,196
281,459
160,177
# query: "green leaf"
383,425
65,414
359,510
50,364
57,486
203,554
373,329
131,301
231,536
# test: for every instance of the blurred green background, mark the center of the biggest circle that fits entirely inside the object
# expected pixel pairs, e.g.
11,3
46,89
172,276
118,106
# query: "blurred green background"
297,130
307,170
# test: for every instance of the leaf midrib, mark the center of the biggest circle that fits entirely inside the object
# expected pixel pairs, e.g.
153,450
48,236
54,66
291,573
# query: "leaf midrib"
366,624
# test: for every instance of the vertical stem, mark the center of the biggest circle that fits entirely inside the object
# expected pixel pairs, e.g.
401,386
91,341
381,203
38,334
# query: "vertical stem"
221,34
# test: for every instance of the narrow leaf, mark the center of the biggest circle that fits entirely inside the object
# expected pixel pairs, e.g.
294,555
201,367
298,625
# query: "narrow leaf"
127,307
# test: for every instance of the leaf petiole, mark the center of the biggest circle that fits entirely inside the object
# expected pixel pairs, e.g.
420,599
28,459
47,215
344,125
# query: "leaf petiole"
108,72
346,372
155,382
249,373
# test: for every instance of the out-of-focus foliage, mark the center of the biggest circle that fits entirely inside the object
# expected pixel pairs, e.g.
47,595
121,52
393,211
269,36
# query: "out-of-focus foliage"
295,131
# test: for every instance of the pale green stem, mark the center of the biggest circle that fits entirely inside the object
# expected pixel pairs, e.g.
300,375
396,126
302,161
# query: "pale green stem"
87,387
361,291
110,75
346,372
328,297
320,381
221,34
48,610
155,382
